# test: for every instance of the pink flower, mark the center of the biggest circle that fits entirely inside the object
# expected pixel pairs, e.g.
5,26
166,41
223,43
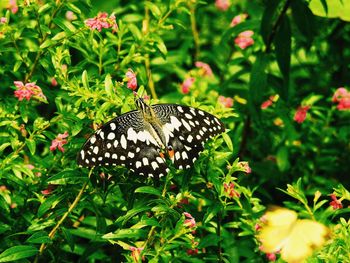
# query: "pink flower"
102,21
28,90
257,227
130,77
226,102
230,191
13,6
136,253
49,189
238,19
342,97
3,20
271,256
222,5
70,16
53,82
300,114
336,204
189,221
268,102
205,68
244,39
59,142
187,84
245,167
192,251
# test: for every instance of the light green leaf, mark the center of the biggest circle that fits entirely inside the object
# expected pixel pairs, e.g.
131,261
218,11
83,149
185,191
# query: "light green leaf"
18,252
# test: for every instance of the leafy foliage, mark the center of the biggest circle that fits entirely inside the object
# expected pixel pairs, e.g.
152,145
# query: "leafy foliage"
62,77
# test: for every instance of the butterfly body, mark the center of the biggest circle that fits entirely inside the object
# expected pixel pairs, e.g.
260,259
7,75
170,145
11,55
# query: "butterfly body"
141,139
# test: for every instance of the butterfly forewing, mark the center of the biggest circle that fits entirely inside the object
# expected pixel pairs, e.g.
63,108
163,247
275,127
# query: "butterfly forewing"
124,141
187,129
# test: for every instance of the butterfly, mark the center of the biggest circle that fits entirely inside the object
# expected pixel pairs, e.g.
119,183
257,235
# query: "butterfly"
295,239
142,139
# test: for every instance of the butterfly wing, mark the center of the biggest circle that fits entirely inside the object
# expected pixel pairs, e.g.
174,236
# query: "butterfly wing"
124,141
186,129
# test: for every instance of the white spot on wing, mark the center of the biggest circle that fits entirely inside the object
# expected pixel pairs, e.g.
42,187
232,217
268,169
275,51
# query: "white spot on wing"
180,109
114,156
177,156
122,157
115,143
192,110
131,154
132,135
111,136
107,155
187,126
113,126
201,112
184,155
145,161
188,148
93,139
207,121
159,160
189,138
188,116
95,150
123,141
82,154
138,164
109,145
154,165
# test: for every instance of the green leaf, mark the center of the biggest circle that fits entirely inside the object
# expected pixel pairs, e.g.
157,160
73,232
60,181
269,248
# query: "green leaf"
73,7
31,144
108,84
85,79
68,237
17,253
282,43
282,156
39,238
64,24
148,190
270,14
228,141
331,8
126,233
304,19
153,8
48,42
135,31
66,176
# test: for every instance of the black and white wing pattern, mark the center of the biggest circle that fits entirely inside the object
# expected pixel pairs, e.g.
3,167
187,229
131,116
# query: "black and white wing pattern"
124,141
186,129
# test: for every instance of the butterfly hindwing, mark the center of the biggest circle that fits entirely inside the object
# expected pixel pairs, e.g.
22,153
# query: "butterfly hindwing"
186,129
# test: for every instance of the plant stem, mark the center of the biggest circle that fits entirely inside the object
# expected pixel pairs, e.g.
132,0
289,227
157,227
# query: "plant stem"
194,32
59,223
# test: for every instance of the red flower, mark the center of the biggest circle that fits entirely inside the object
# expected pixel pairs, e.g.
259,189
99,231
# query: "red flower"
187,84
28,90
53,82
222,5
130,77
271,256
192,251
59,142
244,39
342,97
49,189
268,102
300,114
336,204
238,19
205,68
230,191
226,102
245,167
102,21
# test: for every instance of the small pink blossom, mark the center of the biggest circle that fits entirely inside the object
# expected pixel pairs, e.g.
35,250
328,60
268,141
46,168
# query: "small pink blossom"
70,16
230,191
222,5
59,142
189,221
244,39
271,256
136,253
268,102
205,68
238,19
257,227
28,90
3,20
187,84
300,114
102,21
335,203
53,82
130,77
12,5
49,189
227,102
342,97
245,167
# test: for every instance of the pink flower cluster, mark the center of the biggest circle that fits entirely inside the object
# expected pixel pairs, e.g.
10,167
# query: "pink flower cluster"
102,21
244,39
342,97
300,114
136,253
130,77
187,84
28,90
229,190
3,20
227,102
12,5
59,141
205,68
268,102
189,221
245,167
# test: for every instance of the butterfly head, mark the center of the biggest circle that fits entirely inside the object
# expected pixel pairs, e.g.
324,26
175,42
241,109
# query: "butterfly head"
143,107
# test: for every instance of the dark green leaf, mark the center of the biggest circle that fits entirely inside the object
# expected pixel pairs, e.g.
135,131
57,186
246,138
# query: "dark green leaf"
17,253
268,19
68,237
148,190
304,19
39,238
